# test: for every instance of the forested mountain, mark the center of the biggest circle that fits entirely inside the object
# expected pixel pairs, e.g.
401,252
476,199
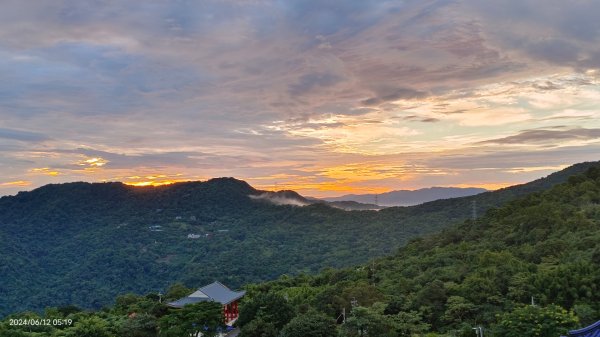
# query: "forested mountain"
410,197
83,244
484,273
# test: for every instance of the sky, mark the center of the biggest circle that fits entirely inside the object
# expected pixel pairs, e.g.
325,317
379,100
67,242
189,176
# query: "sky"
322,97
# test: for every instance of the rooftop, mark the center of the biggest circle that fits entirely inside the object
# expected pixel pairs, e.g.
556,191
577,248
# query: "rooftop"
216,292
590,331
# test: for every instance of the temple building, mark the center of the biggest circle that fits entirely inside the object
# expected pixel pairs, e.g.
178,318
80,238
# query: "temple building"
216,292
591,331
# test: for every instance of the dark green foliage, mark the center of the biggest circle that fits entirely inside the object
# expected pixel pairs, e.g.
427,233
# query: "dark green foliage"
311,324
535,321
270,307
364,321
83,244
140,325
205,317
409,324
259,327
87,327
477,273
131,316
177,291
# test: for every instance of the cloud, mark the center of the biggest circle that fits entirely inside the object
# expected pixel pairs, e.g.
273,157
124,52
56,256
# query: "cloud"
510,158
550,31
110,160
415,118
263,88
545,136
314,81
19,183
279,198
22,135
393,95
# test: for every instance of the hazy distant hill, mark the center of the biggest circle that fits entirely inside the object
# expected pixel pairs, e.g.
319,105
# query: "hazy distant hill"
408,197
81,243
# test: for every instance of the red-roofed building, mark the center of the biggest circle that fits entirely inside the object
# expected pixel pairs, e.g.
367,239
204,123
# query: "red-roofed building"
214,292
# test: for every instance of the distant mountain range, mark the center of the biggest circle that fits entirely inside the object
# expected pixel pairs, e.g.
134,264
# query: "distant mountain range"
409,197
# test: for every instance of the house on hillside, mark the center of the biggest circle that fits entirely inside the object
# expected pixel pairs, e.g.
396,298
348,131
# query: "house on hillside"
215,292
590,331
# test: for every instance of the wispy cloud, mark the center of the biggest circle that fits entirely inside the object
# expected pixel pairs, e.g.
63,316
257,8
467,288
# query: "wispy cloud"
18,183
22,135
559,136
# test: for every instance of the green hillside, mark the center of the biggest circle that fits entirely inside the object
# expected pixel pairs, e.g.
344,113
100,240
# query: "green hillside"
83,244
475,274
478,273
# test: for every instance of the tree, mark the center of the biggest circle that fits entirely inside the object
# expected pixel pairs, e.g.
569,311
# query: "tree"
457,309
271,307
368,322
204,317
258,328
535,321
311,324
142,325
177,291
586,313
93,326
409,324
124,302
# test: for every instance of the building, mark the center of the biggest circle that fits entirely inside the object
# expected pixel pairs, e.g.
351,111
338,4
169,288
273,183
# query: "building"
591,331
216,292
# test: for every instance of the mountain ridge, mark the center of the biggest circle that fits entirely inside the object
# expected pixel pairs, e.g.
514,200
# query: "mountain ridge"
410,197
480,272
83,243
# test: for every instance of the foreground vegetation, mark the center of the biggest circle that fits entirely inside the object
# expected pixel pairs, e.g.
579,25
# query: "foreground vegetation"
131,316
484,273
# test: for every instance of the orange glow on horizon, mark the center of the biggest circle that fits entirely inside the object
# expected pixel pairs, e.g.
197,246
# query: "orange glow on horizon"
321,190
93,162
487,186
324,190
154,182
16,183
45,171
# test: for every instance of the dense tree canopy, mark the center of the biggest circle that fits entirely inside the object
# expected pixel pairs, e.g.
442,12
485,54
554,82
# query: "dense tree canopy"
84,244
478,273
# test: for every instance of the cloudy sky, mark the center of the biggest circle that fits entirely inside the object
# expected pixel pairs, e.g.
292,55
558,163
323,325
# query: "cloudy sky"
324,97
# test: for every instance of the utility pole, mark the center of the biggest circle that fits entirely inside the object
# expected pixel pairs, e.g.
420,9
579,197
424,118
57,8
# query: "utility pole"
474,210
478,331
